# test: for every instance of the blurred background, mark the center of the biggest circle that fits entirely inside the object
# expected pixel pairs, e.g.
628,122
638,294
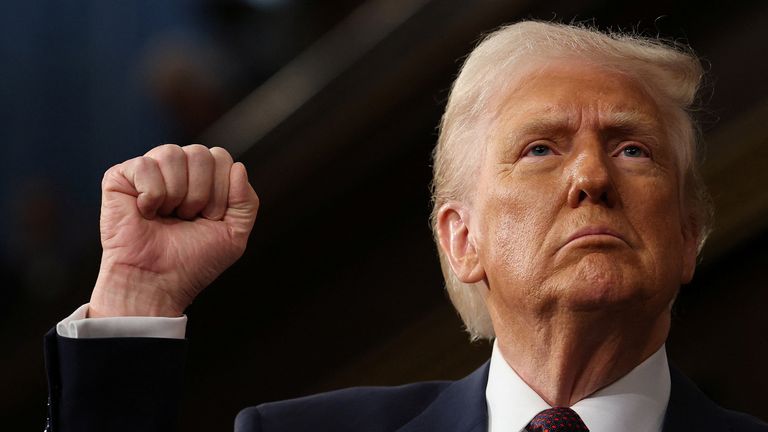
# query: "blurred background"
333,107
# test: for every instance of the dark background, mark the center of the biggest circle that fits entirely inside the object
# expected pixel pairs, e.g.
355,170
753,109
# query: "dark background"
332,106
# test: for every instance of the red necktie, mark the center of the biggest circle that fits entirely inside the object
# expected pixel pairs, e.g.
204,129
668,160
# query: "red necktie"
557,419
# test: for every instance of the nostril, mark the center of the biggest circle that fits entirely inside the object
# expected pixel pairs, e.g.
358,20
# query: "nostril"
606,199
603,197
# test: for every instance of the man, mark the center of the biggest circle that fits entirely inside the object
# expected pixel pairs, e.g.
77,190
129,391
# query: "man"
567,212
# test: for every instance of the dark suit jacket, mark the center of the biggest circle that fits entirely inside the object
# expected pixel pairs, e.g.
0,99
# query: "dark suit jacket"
133,384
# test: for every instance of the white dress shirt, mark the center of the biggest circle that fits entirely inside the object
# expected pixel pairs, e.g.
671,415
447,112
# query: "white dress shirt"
77,326
636,402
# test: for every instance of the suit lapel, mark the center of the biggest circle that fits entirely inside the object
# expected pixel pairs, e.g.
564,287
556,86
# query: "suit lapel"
690,410
460,408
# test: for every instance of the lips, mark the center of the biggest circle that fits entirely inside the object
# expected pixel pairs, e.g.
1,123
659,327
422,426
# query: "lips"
594,231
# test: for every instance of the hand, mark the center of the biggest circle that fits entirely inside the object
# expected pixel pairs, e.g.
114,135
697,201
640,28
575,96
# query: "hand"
171,222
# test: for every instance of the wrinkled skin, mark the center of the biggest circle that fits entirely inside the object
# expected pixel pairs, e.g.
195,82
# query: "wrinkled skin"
576,227
578,148
171,222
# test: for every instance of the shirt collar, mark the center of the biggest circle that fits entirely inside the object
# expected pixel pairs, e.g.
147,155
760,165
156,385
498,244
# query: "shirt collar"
637,401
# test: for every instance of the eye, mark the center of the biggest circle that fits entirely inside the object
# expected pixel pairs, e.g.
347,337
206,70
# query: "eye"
539,150
633,151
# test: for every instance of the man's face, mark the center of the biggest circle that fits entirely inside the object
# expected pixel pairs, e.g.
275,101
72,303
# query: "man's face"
577,205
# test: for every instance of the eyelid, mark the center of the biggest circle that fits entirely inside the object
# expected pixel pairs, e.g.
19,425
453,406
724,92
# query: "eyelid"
624,144
548,144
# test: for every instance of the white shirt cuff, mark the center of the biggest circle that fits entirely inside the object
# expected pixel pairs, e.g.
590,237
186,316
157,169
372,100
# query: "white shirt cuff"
77,326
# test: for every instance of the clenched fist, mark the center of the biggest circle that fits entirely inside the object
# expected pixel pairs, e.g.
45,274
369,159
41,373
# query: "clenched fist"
171,222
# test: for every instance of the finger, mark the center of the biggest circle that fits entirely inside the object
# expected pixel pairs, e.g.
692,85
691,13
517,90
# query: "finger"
200,166
173,167
145,182
217,204
242,204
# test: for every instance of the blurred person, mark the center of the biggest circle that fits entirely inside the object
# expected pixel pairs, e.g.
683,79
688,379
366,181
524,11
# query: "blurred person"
567,210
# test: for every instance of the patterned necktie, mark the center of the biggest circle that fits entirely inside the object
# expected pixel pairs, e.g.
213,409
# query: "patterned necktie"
557,419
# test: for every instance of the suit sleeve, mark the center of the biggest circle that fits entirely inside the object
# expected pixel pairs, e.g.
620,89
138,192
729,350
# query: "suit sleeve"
113,384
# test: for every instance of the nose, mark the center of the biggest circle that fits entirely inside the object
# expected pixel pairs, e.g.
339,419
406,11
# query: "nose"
590,179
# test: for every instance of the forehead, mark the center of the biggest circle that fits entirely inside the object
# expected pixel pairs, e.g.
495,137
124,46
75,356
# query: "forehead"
569,93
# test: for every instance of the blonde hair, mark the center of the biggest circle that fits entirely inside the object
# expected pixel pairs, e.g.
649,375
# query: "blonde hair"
669,72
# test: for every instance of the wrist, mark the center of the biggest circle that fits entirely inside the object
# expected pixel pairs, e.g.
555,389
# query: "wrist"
123,290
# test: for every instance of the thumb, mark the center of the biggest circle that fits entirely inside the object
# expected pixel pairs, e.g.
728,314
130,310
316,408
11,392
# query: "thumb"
242,201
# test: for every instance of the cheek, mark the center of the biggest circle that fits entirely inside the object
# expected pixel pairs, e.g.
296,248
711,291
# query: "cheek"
657,220
514,224
656,211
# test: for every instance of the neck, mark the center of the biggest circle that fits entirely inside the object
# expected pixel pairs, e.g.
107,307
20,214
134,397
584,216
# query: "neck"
567,357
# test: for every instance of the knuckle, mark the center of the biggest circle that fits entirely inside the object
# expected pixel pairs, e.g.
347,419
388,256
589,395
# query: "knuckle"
198,153
221,153
167,151
169,146
143,164
195,149
110,174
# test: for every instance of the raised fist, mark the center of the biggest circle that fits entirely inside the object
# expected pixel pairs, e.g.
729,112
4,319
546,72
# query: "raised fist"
171,222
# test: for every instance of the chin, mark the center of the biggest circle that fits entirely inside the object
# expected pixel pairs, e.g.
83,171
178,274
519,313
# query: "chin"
604,282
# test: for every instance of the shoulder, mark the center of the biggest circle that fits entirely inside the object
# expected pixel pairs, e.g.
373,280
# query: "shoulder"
690,409
357,408
740,422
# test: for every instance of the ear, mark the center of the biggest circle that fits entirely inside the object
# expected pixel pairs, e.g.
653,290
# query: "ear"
457,243
690,250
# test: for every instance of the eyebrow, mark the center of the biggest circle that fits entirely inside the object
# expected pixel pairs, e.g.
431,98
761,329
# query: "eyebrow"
633,122
627,122
541,125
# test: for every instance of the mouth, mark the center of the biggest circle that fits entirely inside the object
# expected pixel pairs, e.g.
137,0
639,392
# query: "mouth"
595,234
